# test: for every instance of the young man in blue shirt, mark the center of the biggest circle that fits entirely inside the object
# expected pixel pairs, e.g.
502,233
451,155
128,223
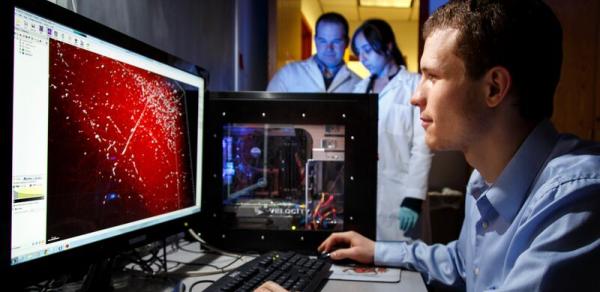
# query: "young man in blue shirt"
490,69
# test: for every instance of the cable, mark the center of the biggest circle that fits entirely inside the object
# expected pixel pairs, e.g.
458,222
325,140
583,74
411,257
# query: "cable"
231,263
74,4
221,270
159,261
178,263
198,274
183,247
198,282
203,243
165,255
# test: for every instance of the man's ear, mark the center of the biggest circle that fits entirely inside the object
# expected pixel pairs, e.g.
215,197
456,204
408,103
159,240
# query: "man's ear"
498,82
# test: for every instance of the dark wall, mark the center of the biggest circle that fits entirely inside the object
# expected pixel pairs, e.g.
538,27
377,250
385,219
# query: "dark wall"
449,169
577,99
201,32
253,43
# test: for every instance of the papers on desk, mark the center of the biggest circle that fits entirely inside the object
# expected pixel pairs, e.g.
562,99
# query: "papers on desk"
365,273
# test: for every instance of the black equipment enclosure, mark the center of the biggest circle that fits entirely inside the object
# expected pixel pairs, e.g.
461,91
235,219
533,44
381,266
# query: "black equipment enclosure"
357,113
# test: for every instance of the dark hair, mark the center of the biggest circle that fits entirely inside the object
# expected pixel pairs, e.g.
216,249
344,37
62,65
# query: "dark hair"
379,34
333,17
523,36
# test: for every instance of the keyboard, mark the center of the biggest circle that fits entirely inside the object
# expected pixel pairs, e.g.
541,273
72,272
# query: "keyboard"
293,271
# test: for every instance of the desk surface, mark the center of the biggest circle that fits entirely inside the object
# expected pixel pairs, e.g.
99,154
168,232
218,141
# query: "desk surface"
189,265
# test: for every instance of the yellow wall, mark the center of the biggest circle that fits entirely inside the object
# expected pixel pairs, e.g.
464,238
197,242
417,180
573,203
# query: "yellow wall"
407,38
288,31
311,11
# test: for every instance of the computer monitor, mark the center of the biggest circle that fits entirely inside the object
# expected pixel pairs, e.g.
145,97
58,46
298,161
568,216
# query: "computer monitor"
285,170
106,142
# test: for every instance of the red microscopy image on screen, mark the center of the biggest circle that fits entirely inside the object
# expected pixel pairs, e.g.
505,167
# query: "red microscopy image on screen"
118,147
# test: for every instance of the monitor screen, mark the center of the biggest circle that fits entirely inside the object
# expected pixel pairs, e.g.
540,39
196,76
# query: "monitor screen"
105,132
284,176
289,168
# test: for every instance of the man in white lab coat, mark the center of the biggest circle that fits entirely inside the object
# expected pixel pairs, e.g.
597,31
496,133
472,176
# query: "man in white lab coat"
326,71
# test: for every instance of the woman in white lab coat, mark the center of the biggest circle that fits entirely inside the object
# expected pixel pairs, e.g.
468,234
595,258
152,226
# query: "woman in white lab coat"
404,159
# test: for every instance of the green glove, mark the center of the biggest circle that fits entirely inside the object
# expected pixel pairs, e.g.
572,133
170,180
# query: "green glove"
408,218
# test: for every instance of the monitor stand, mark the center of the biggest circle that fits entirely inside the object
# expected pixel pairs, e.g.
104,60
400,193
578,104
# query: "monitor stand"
98,277
106,275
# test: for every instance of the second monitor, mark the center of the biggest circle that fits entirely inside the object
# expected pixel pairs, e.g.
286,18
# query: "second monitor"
287,169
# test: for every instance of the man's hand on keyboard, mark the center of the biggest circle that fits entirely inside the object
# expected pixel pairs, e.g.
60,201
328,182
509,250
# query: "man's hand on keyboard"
270,287
358,247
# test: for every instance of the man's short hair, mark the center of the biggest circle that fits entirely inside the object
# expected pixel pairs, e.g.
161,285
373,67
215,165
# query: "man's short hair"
523,36
333,17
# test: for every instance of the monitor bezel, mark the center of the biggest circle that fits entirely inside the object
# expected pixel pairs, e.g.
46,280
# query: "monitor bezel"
79,258
356,112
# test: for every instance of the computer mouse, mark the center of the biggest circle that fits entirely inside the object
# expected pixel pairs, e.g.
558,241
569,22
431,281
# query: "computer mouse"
326,256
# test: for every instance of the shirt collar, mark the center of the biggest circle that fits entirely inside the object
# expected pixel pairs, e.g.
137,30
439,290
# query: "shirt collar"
396,81
400,74
322,66
509,192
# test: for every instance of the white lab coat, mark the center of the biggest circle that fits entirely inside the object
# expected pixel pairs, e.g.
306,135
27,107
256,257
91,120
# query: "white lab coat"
305,76
404,158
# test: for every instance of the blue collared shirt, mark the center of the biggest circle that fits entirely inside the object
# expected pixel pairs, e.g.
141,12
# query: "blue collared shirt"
537,228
